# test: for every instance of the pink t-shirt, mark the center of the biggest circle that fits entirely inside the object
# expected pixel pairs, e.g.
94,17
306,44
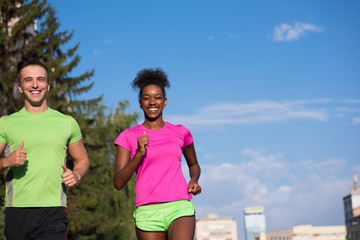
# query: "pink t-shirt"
159,176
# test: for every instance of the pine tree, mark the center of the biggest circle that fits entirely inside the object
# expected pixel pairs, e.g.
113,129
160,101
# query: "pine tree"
96,210
104,212
20,36
16,23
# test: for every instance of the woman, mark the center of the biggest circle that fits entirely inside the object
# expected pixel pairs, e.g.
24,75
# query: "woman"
153,150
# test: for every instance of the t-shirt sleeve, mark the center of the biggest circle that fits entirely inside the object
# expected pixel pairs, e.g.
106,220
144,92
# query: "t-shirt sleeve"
75,131
188,138
122,140
3,138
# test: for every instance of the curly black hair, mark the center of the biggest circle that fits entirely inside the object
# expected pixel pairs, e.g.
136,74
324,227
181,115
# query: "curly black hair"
150,76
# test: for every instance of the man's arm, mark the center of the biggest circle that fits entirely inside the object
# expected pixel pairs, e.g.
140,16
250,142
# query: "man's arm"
16,158
81,164
2,163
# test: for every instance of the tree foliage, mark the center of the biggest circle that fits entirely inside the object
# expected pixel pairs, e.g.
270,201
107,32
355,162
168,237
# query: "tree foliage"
96,210
15,24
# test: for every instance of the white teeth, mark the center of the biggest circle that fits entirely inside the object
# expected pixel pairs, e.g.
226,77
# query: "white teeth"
153,109
35,92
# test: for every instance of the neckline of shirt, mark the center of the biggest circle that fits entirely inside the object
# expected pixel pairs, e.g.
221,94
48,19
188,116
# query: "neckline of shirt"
146,129
36,114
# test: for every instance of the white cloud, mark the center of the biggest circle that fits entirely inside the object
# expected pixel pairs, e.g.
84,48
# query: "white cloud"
347,109
97,52
293,193
222,114
354,101
233,36
287,33
209,156
356,120
327,165
356,169
108,41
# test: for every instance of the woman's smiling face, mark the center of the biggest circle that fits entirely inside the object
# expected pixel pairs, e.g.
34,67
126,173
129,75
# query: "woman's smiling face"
152,101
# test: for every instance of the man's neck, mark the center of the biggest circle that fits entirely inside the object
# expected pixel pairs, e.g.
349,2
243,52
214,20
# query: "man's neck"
36,109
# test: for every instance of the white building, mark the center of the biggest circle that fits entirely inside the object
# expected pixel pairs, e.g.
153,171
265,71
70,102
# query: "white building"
212,227
305,232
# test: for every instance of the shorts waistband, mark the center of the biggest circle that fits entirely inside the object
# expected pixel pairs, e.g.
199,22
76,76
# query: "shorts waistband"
162,205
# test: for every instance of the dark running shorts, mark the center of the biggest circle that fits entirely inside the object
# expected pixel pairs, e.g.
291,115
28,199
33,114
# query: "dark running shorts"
38,223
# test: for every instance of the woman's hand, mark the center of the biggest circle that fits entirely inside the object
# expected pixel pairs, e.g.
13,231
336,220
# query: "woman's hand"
143,143
193,187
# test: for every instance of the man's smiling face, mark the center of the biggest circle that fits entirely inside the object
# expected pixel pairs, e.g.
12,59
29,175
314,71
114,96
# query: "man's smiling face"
34,84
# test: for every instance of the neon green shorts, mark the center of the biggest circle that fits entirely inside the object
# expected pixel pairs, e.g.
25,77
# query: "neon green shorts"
157,218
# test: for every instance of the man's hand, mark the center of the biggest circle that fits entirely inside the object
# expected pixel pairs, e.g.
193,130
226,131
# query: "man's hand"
69,177
17,157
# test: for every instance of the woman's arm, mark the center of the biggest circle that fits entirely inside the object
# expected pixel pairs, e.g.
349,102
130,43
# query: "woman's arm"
124,168
194,169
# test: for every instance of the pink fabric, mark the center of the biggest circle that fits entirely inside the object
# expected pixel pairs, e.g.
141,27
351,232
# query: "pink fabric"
159,174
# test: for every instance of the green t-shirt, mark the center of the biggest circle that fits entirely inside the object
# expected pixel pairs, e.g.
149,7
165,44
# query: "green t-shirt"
46,135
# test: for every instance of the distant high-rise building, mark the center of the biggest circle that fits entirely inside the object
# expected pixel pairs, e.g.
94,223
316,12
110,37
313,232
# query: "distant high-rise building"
305,232
213,227
352,212
254,220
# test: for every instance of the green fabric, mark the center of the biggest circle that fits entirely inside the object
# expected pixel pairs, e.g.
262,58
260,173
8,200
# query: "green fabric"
38,182
158,217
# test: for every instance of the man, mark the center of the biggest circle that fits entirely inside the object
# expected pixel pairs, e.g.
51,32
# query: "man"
39,138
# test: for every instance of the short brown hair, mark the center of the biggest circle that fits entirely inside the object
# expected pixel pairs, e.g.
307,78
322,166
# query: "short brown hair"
28,61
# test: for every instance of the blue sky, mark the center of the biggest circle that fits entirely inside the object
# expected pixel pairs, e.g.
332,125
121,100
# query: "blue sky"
270,90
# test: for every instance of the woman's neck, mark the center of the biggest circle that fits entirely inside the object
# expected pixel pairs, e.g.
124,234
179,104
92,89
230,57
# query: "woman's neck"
154,125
